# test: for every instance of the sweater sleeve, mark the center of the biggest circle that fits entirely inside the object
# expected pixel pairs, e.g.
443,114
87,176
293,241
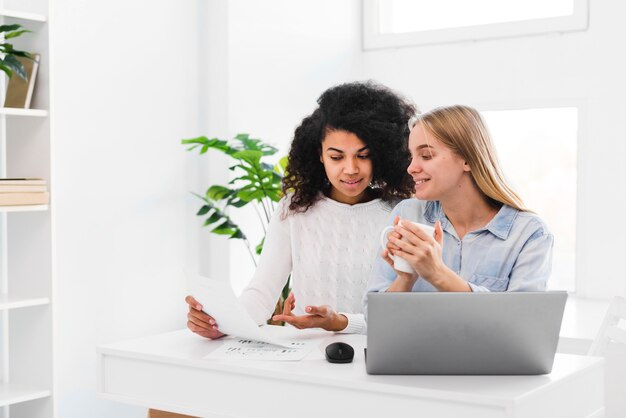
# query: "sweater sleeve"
272,272
356,323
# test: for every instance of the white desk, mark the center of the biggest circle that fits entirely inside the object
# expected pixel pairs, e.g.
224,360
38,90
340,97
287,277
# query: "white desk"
168,372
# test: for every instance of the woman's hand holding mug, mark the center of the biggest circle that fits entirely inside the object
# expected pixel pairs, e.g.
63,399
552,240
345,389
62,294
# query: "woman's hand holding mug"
413,249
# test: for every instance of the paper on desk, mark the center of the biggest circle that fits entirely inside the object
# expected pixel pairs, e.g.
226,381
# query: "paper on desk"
243,349
218,300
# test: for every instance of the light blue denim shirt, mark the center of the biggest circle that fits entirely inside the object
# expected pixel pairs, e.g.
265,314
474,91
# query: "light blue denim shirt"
513,252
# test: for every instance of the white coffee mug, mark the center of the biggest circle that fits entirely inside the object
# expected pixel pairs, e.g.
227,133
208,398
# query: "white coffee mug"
400,263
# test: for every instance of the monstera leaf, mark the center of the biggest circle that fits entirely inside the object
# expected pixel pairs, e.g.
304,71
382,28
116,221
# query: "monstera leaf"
219,221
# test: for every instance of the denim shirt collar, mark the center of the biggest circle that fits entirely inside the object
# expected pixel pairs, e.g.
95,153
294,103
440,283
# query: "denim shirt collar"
500,225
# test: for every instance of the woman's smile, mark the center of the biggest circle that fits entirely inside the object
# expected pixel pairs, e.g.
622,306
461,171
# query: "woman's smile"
419,183
352,183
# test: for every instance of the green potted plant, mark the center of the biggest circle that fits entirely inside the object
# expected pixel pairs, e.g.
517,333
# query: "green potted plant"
256,183
9,62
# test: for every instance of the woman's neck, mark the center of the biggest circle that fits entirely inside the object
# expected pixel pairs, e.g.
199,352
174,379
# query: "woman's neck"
468,211
367,196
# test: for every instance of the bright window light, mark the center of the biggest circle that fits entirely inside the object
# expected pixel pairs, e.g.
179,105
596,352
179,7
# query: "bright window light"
537,149
402,16
396,23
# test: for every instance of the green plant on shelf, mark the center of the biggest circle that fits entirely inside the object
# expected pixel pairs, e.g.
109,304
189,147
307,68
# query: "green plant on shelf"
9,62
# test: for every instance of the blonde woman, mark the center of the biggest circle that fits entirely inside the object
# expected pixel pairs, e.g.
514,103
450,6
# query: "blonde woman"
485,239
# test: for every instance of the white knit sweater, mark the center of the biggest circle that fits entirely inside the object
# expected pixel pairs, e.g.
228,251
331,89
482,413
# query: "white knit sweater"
329,251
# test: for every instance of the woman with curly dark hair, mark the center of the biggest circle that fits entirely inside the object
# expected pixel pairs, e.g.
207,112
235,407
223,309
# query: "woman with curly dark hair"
372,113
347,169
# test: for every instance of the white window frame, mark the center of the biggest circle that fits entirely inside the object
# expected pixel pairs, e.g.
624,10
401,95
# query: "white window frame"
374,39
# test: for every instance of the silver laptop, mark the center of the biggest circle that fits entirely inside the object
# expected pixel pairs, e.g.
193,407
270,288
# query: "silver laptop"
504,333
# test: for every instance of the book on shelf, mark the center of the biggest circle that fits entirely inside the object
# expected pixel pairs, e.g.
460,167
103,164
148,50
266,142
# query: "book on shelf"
19,93
23,191
19,199
17,188
22,181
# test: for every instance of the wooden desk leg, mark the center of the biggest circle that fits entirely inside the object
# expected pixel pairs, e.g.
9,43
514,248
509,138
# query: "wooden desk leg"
155,413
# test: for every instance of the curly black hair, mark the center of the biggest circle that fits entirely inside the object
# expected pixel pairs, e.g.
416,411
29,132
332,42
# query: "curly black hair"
375,114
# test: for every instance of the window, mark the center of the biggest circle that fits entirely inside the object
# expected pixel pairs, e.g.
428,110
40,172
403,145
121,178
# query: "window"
538,150
392,23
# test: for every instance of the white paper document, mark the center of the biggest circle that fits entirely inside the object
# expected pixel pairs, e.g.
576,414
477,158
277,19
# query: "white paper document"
218,300
243,349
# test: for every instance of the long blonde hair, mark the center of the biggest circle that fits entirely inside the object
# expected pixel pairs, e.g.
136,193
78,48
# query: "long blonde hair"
464,131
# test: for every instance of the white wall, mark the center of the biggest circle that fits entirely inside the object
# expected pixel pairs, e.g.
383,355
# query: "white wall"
585,69
125,88
213,121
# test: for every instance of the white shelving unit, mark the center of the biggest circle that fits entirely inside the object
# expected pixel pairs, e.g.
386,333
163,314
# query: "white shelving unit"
23,112
33,17
28,208
26,270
